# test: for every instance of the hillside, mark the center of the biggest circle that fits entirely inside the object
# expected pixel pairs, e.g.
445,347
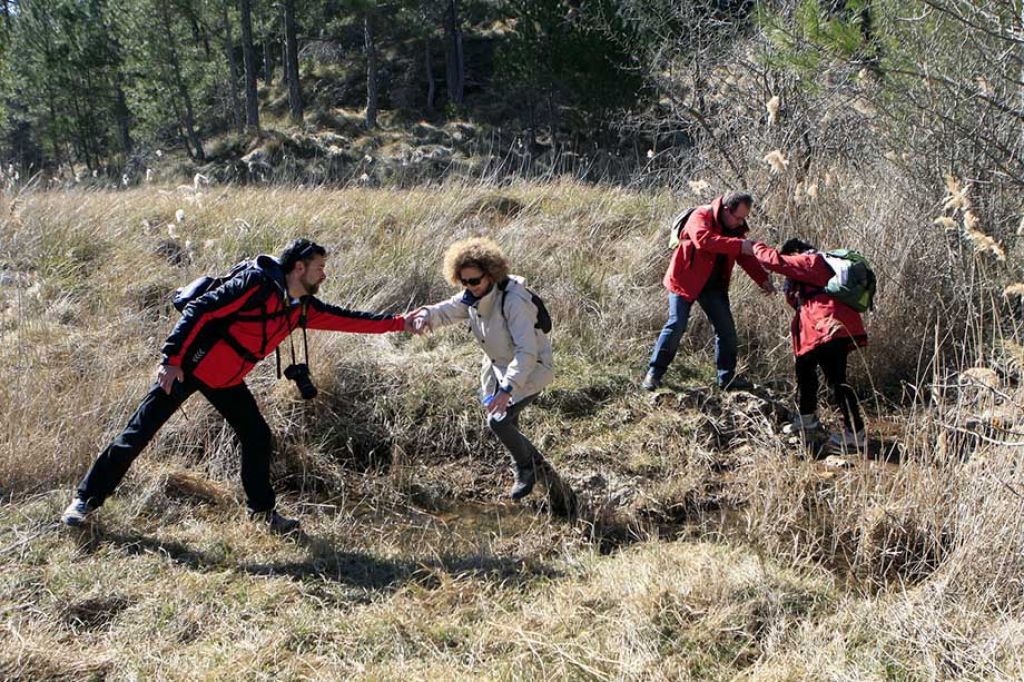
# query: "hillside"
708,546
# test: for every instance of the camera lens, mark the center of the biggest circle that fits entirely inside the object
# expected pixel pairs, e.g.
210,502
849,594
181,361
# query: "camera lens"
299,373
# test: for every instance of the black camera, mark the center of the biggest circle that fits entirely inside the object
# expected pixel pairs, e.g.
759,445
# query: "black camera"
299,373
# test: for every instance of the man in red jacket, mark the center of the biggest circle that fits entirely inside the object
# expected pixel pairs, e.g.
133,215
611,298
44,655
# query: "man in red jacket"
824,331
220,337
710,243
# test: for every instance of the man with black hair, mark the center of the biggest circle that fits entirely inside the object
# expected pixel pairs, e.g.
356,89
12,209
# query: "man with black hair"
711,241
221,335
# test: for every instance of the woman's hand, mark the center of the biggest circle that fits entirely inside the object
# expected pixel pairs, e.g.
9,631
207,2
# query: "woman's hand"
418,321
499,405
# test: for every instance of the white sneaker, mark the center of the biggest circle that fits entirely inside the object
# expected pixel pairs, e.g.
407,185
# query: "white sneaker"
848,440
802,424
77,512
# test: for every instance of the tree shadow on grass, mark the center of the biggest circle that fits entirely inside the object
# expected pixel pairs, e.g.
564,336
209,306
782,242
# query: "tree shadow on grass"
327,563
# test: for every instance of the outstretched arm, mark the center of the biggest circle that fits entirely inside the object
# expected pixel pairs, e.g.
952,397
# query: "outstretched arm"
431,317
802,267
755,271
320,315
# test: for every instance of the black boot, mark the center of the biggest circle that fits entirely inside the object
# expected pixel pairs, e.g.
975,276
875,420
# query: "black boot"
525,480
651,381
275,523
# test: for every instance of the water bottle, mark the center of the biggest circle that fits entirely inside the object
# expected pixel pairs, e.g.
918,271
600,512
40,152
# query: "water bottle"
487,400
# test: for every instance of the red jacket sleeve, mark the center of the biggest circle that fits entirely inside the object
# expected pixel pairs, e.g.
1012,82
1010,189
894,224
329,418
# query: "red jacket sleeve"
753,269
809,268
698,229
320,315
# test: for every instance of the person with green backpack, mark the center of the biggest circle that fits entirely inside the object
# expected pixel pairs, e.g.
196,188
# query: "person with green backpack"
828,291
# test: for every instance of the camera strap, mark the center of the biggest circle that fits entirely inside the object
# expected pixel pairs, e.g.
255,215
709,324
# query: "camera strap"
291,341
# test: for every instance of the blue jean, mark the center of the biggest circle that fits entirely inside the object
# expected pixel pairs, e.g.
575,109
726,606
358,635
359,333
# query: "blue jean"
715,303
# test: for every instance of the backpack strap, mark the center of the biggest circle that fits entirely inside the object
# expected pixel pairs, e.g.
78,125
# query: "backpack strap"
258,301
543,321
503,288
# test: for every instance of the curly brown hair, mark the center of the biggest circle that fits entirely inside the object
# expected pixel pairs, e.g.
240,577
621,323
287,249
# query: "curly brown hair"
475,252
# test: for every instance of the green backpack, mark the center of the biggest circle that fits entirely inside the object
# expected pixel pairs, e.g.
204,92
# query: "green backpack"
853,282
678,223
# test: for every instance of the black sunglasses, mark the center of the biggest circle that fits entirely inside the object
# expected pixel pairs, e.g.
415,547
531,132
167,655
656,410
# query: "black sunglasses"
472,281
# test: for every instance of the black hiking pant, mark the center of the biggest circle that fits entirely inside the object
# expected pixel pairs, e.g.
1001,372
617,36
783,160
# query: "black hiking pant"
237,406
831,357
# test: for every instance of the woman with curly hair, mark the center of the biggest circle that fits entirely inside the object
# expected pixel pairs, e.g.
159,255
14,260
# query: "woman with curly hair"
517,362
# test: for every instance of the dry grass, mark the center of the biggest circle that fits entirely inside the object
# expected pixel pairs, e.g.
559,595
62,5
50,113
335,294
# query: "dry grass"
779,568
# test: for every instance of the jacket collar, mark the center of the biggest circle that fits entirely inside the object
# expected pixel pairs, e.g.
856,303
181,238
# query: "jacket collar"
271,268
483,303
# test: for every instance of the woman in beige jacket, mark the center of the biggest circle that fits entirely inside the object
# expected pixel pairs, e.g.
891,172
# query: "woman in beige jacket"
517,362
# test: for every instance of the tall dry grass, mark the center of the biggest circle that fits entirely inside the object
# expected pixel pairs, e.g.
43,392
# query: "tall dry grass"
932,544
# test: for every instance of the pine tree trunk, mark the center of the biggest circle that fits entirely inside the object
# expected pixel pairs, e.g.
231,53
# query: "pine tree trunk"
252,111
284,50
431,82
268,61
453,53
460,92
229,50
371,71
195,146
81,135
123,115
292,67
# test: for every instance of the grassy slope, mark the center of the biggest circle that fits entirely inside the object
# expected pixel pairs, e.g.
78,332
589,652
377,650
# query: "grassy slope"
401,571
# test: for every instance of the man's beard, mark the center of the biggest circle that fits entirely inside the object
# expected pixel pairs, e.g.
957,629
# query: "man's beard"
311,288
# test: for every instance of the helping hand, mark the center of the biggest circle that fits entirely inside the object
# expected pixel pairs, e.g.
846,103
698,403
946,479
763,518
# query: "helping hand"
768,288
167,375
747,248
418,321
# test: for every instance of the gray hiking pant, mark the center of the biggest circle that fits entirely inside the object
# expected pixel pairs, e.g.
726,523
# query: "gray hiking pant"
524,455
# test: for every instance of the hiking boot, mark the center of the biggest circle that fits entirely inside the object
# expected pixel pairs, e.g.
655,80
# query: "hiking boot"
280,525
802,424
77,512
525,479
737,383
651,381
848,440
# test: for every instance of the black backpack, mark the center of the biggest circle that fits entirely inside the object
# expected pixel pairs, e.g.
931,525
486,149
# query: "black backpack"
207,283
543,316
201,285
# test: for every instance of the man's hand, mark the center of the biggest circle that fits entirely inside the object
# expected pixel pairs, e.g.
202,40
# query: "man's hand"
418,321
767,288
167,375
500,403
747,248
